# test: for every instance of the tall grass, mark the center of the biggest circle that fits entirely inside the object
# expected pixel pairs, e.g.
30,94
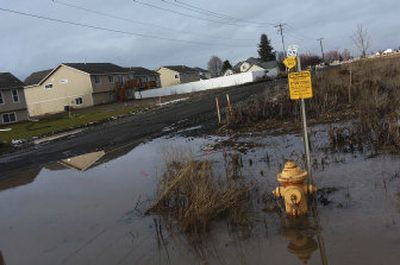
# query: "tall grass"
367,91
193,195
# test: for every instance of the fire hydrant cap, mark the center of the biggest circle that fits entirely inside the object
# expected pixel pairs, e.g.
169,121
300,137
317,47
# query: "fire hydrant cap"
291,173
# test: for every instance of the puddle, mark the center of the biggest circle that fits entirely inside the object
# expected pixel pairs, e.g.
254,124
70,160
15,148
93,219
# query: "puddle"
59,215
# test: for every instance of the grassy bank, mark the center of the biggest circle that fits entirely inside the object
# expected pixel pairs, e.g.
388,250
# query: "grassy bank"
62,122
367,91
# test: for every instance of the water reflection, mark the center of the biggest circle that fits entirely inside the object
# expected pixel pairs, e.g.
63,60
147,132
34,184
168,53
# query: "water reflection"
301,232
27,177
82,162
2,262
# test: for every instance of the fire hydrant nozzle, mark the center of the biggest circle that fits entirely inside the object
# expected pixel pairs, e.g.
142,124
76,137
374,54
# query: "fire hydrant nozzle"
293,190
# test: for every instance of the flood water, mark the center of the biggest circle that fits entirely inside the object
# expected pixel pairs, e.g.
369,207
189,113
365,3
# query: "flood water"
60,215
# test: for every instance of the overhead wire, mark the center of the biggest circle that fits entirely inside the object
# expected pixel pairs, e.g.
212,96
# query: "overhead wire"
93,11
100,28
221,15
183,14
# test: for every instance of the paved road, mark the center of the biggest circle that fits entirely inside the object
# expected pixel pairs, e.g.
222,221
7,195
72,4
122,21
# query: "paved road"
198,110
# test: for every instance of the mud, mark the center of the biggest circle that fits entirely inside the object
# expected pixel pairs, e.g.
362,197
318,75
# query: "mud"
57,215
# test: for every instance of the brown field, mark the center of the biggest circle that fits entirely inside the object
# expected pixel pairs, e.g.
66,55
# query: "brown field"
367,92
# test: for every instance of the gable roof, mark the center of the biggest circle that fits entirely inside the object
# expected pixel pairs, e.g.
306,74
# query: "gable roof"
7,81
140,71
236,67
97,68
180,68
36,77
252,60
267,65
199,69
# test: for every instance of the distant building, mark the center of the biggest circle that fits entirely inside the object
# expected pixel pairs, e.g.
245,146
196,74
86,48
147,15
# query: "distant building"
229,72
80,85
140,78
177,74
12,99
253,64
204,74
388,52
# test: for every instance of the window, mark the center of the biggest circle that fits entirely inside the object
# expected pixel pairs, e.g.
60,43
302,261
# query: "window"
15,95
48,86
176,76
97,79
79,101
9,117
1,98
111,79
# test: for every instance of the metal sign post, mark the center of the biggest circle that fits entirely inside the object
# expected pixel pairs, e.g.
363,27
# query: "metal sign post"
300,87
305,130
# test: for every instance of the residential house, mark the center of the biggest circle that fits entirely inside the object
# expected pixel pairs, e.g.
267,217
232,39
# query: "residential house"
12,99
229,72
177,74
204,74
76,85
140,78
253,64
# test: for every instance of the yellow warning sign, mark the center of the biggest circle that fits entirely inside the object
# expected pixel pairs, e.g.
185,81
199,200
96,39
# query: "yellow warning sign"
300,85
290,62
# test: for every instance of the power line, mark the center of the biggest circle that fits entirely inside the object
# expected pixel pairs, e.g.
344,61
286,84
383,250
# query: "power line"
107,14
142,35
220,15
183,14
188,7
126,19
305,37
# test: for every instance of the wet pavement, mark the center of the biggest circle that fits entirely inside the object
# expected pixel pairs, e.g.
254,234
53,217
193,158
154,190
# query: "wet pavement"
62,215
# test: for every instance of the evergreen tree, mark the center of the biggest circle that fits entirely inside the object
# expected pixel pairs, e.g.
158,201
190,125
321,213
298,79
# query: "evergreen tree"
265,50
226,65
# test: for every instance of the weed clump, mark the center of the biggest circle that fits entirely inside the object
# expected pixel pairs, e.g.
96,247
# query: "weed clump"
193,196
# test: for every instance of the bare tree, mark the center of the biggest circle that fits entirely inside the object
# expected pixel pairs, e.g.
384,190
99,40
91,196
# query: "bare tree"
361,40
332,56
346,55
215,66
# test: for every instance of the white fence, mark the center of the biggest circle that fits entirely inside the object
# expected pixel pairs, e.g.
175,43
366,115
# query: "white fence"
219,82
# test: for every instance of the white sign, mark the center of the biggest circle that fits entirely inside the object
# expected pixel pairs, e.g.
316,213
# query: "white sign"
64,81
292,50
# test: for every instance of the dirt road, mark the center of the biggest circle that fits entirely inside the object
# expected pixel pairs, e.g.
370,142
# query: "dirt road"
199,109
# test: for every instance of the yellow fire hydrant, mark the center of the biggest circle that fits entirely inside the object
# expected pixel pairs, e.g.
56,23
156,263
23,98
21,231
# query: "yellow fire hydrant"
293,190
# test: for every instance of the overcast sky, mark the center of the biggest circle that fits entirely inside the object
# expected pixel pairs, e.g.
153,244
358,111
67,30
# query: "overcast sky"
227,28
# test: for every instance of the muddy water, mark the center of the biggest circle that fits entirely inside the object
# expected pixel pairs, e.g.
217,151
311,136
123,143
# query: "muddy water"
65,216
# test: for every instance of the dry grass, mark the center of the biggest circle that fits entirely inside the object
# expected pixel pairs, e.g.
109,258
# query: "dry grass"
372,101
191,194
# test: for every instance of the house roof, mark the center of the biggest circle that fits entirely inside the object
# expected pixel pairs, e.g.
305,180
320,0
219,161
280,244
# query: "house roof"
36,77
198,69
140,71
267,65
7,81
236,67
252,60
97,68
180,68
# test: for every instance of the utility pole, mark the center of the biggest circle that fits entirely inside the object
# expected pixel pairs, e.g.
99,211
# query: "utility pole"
322,48
280,27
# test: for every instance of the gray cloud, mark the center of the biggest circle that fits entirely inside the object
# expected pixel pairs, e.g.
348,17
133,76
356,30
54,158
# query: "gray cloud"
28,44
